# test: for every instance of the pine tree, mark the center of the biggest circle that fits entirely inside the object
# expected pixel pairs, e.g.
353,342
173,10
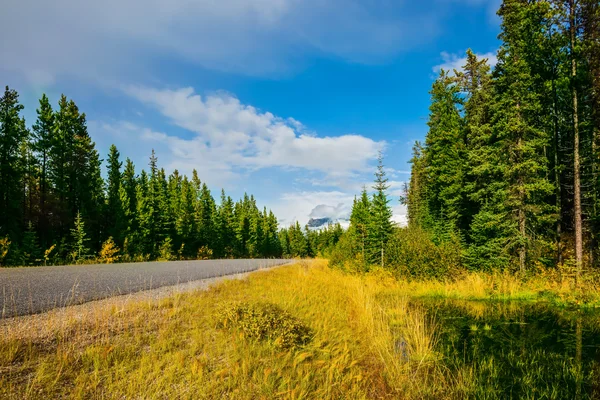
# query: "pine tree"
242,215
444,154
79,240
297,241
206,218
360,219
115,210
415,198
520,142
186,223
143,243
475,81
43,131
227,226
31,250
380,227
13,134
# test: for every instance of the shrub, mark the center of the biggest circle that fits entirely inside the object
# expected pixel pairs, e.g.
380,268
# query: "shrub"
265,321
347,253
109,252
4,247
165,251
412,252
48,253
204,253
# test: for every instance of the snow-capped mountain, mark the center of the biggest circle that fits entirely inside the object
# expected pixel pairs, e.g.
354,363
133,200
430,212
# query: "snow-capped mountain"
320,223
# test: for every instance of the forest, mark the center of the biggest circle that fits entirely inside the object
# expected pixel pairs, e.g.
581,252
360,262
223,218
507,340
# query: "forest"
508,175
56,207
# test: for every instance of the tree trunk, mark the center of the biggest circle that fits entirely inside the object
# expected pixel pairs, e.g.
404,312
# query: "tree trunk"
578,354
576,162
559,256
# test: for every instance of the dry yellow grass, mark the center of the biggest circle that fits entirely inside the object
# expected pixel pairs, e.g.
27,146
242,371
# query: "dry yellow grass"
363,345
556,286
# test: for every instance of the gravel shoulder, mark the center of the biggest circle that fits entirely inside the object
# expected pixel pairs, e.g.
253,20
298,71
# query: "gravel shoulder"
34,290
45,325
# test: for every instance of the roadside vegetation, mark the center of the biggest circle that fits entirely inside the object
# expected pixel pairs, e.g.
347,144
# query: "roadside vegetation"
504,194
302,331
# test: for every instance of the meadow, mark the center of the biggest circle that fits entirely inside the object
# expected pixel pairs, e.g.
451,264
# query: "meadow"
203,344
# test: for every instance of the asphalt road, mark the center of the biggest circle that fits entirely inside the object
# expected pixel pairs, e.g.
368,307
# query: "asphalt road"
38,289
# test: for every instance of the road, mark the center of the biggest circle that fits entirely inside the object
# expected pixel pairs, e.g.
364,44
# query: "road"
38,289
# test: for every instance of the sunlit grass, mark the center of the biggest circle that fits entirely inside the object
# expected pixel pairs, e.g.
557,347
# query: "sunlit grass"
542,286
176,347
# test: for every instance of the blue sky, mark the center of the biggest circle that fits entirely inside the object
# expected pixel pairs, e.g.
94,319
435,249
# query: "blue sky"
287,99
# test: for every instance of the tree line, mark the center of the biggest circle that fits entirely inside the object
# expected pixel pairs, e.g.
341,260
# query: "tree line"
56,207
510,164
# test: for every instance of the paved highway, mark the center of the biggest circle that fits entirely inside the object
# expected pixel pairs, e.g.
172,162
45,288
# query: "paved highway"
38,289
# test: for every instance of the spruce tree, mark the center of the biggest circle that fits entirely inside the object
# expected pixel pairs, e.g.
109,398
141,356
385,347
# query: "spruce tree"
380,227
444,155
360,219
520,142
415,198
43,131
79,240
115,211
13,134
227,226
206,218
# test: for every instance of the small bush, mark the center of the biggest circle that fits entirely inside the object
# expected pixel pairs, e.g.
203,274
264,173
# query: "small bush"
204,253
265,321
411,252
4,247
109,253
347,253
165,251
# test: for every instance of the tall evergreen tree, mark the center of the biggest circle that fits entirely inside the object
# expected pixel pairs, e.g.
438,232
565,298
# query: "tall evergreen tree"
519,141
43,131
13,134
380,227
444,154
115,211
79,240
360,219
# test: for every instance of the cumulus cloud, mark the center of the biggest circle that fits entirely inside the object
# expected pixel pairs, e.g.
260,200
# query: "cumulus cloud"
96,39
453,61
236,134
302,205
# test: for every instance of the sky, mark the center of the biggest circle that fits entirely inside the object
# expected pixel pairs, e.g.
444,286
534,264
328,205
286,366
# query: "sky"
289,100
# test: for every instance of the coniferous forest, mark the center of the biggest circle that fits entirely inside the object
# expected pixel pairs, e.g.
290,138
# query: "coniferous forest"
509,173
56,207
510,163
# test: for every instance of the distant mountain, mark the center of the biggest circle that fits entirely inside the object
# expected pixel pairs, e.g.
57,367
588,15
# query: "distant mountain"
319,223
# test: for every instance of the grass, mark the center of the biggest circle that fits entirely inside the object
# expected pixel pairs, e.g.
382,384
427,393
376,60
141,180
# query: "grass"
353,346
556,287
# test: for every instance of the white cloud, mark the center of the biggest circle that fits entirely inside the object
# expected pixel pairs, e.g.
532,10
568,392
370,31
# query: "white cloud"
328,211
137,142
299,206
230,133
400,216
106,39
302,205
453,61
